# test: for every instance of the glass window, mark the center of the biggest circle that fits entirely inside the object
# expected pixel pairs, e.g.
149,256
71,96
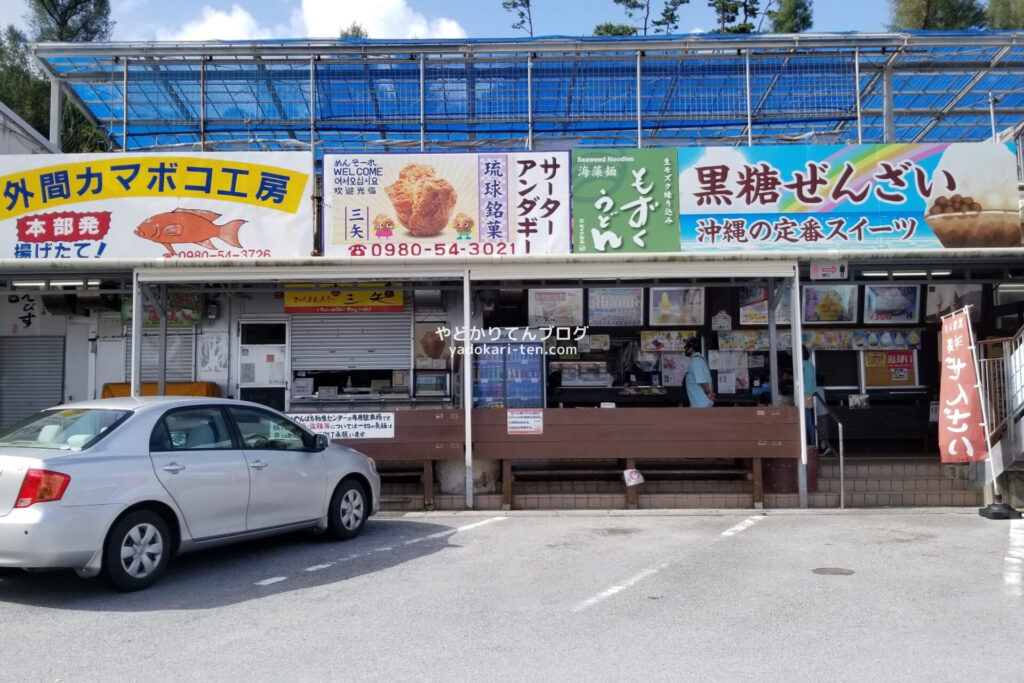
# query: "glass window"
266,431
264,333
191,429
64,429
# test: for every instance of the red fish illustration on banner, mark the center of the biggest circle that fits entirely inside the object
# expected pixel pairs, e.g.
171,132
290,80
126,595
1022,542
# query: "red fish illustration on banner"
188,226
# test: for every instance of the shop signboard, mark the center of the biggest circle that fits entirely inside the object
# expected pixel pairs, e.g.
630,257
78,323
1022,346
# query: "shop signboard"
182,207
343,298
25,314
460,204
182,309
848,198
890,369
961,422
623,200
366,425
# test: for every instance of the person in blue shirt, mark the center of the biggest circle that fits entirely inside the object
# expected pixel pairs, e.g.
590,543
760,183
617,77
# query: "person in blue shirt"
810,389
698,377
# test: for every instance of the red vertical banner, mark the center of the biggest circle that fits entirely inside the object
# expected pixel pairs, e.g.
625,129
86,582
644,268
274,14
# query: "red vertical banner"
961,421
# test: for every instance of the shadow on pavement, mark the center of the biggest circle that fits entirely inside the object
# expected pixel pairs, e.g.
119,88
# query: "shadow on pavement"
229,574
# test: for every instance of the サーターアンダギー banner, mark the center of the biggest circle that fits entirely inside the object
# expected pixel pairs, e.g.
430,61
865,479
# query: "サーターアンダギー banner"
156,206
846,198
410,205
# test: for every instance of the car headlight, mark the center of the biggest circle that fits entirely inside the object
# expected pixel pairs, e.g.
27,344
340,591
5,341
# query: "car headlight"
373,464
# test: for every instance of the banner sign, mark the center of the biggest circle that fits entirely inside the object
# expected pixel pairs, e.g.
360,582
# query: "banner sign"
345,299
409,205
373,425
156,206
961,429
914,196
796,198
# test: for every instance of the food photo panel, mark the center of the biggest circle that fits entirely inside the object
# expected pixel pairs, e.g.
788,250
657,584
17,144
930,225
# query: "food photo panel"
891,304
829,304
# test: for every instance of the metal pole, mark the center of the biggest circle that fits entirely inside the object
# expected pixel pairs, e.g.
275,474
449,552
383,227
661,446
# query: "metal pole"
423,104
202,104
887,105
983,400
992,114
529,101
639,115
798,382
124,108
842,468
312,110
856,76
467,385
161,379
56,110
137,304
750,112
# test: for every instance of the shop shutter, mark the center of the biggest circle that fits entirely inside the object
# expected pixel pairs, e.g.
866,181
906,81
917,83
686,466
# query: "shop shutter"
31,376
367,341
181,355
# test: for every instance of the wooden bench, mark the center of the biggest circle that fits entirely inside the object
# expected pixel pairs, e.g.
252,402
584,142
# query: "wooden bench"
422,437
672,441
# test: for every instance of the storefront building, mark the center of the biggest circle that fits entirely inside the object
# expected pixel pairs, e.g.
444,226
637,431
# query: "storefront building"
509,302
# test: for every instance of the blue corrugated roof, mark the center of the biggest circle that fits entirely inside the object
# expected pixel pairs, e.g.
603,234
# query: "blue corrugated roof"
563,92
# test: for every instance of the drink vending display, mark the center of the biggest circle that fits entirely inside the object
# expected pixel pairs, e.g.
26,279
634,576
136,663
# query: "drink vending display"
509,374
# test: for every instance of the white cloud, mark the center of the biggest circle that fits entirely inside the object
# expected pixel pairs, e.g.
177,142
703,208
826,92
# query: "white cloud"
314,19
380,18
214,24
14,13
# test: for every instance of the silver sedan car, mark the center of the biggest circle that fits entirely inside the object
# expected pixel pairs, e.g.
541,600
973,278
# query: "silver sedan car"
119,486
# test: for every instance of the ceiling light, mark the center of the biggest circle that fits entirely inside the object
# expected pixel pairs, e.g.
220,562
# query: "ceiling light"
941,273
909,273
28,283
875,273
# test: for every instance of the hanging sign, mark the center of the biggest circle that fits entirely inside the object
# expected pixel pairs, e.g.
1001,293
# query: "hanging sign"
961,429
415,205
186,206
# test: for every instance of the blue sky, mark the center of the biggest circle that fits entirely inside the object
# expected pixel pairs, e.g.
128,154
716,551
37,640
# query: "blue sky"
224,19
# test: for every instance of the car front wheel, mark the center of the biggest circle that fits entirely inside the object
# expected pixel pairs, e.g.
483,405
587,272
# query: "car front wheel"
349,510
137,551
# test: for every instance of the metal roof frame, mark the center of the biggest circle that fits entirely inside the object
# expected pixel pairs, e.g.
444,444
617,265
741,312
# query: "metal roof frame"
551,93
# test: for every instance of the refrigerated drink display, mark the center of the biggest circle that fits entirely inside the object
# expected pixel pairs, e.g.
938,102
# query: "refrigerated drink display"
509,375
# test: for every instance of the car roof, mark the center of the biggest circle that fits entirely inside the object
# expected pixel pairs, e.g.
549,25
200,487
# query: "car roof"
136,403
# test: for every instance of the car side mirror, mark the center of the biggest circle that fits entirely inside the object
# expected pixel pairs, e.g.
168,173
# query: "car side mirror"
320,442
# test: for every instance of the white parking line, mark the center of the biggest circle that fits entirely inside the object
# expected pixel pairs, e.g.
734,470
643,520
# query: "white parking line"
745,524
1013,563
605,594
267,582
386,548
651,571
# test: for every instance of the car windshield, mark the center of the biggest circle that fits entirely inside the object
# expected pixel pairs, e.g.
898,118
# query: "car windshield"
64,429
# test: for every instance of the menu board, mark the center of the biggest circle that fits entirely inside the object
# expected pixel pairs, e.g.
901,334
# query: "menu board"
615,306
830,303
754,306
885,304
555,307
652,341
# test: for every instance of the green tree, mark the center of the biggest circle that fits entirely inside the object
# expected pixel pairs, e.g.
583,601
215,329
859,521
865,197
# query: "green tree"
1006,14
937,15
523,12
20,88
792,16
610,29
640,11
354,30
729,13
70,21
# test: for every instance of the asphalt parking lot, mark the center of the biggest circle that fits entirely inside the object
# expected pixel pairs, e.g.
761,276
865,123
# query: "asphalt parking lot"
790,595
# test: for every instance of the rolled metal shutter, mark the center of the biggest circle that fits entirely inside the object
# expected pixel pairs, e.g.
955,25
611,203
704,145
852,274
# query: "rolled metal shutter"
181,355
342,341
31,376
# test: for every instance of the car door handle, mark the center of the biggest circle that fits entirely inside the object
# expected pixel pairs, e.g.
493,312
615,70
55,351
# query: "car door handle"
258,464
173,468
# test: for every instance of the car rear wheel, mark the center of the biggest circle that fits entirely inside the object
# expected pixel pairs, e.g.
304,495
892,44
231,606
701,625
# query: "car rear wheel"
137,551
349,510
